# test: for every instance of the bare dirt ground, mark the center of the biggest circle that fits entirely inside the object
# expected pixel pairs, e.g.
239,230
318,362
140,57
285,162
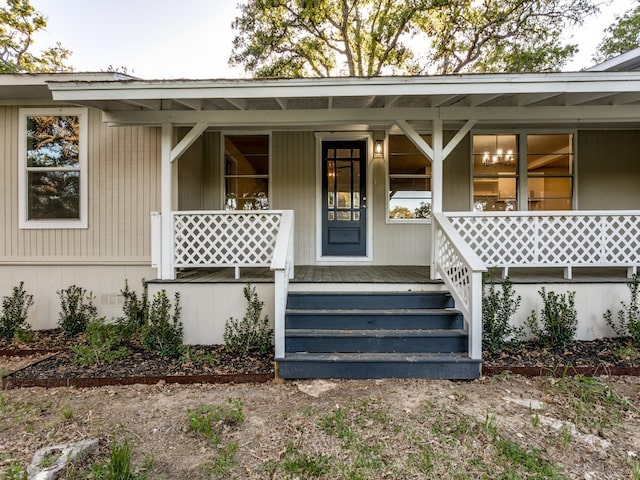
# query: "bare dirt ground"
496,427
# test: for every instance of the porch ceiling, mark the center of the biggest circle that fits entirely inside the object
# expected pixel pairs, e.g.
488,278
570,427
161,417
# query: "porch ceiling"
583,97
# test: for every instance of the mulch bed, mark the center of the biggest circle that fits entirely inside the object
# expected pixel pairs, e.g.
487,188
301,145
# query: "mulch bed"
54,366
605,356
201,363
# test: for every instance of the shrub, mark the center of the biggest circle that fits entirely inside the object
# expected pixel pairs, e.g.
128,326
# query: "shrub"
497,309
162,333
135,310
15,311
559,320
76,309
252,333
628,324
103,344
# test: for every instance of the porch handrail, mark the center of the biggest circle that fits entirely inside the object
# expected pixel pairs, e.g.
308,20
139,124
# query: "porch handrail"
552,239
282,265
461,270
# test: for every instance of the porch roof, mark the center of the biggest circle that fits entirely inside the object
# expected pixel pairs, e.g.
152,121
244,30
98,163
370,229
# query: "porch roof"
578,96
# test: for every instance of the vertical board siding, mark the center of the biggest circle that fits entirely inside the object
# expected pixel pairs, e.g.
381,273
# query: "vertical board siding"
608,170
124,187
394,243
199,174
293,187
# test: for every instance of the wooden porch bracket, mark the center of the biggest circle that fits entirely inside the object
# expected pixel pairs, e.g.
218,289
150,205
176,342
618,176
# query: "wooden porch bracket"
182,146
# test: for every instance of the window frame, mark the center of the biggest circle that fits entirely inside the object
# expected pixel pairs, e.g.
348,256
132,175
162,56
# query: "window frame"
23,178
389,176
522,203
223,173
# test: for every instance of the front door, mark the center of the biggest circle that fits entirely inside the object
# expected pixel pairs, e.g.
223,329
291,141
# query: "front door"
344,202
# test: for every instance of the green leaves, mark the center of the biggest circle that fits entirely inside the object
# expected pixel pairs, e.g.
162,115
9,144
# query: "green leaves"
622,36
319,38
19,21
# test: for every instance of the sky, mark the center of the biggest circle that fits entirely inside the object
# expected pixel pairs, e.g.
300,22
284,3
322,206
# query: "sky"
171,39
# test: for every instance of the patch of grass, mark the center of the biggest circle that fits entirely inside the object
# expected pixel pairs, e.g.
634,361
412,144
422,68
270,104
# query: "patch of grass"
635,469
593,403
353,425
209,421
198,357
4,372
225,461
337,424
566,436
490,426
528,459
304,465
14,471
67,412
49,458
535,419
117,466
629,352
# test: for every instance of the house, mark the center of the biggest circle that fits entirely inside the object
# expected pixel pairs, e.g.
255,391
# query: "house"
349,203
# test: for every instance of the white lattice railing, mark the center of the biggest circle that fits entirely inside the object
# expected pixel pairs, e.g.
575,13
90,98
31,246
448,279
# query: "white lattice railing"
560,239
225,238
461,270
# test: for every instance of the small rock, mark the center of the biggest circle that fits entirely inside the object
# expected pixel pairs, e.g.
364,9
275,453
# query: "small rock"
316,388
528,403
70,452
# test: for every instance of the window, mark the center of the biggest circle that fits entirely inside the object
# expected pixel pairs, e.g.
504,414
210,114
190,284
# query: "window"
246,172
545,172
549,171
409,180
53,164
495,172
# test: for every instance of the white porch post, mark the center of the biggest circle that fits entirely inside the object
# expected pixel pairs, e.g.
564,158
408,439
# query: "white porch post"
436,167
436,188
167,272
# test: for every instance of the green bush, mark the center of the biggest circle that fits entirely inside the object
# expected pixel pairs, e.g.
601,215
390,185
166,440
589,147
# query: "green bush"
162,333
15,311
76,309
497,309
252,333
102,344
559,320
134,309
628,324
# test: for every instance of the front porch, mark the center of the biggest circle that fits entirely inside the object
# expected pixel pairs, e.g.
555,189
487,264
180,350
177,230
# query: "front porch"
358,320
392,275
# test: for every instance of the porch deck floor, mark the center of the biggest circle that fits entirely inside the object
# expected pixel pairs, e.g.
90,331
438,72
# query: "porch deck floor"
391,274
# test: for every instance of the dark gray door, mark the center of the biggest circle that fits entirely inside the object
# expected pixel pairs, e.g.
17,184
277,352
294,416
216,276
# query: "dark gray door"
344,214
